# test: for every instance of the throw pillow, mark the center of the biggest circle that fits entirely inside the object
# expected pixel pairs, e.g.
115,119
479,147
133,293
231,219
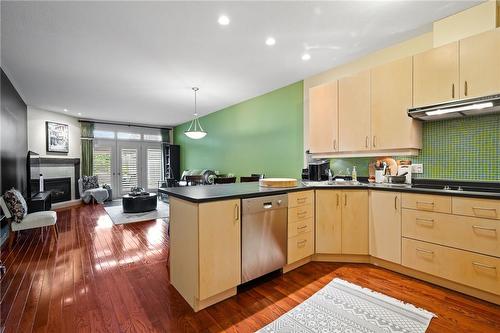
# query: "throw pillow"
14,205
89,182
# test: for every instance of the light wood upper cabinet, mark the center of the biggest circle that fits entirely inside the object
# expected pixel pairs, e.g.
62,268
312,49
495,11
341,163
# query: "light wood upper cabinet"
385,225
480,65
323,118
354,112
435,75
391,96
328,221
355,222
219,247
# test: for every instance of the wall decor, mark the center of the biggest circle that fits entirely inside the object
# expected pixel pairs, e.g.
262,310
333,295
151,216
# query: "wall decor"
57,137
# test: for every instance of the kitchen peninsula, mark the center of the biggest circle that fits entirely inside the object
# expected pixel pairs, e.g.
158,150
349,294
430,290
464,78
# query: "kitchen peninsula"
445,236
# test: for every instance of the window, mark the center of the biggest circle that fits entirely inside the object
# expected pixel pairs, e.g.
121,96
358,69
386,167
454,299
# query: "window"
129,172
152,137
128,136
102,164
153,160
101,134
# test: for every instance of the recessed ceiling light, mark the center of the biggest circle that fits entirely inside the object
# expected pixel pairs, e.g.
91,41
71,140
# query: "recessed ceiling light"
79,113
270,41
65,110
306,56
223,20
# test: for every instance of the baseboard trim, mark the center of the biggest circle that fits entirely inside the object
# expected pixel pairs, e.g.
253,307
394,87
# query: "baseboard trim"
296,264
436,280
356,258
201,304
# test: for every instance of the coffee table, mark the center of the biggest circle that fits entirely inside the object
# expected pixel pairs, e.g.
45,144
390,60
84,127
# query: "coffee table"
140,203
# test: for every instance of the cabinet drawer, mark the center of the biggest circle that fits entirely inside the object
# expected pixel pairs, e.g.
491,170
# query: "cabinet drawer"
486,208
300,198
467,233
300,213
471,269
300,247
429,202
300,227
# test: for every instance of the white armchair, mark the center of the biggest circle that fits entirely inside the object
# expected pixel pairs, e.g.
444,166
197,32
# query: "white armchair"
30,221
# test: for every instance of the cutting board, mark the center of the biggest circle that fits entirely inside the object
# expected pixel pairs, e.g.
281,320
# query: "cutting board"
278,182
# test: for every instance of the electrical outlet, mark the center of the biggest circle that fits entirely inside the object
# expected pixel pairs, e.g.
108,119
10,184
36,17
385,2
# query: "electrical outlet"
417,168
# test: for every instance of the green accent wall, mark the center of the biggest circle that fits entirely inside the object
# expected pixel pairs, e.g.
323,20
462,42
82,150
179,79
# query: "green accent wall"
456,149
260,135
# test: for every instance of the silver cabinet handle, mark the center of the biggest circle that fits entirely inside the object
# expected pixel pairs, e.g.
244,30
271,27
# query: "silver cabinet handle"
236,212
475,263
366,141
396,202
302,214
466,88
338,199
484,228
483,208
429,221
334,144
374,141
424,251
345,199
453,90
302,243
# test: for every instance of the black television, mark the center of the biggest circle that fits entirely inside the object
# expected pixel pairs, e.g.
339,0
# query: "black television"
33,162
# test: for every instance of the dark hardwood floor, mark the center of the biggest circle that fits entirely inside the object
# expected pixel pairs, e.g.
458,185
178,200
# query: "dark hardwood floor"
100,277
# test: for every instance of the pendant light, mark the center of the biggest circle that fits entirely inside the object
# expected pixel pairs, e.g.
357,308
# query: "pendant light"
195,131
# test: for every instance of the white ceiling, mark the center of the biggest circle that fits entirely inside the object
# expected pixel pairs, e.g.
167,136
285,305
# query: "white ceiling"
137,61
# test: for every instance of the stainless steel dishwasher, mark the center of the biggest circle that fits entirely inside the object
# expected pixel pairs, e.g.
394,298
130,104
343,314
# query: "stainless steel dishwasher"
263,235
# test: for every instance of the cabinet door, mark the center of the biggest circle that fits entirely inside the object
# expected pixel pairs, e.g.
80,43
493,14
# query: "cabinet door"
219,247
354,112
355,222
385,225
328,221
480,65
323,118
391,96
435,75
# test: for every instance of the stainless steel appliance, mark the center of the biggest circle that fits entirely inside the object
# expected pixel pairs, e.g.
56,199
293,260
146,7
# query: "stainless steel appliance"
263,235
318,170
457,109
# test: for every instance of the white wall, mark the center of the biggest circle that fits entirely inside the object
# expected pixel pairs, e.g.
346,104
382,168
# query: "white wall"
36,132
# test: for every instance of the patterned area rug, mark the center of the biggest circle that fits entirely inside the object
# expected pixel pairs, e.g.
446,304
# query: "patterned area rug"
119,217
345,307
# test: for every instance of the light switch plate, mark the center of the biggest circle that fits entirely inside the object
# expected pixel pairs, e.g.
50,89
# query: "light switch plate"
417,168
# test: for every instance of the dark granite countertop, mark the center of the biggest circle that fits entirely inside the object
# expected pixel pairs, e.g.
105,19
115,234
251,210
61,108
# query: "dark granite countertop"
205,193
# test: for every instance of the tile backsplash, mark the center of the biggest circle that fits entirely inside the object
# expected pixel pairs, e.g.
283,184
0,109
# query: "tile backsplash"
457,149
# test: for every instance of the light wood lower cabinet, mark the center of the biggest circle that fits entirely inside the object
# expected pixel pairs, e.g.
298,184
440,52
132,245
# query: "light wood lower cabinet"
300,225
428,202
468,268
342,222
385,225
462,232
205,245
328,221
220,246
355,222
485,208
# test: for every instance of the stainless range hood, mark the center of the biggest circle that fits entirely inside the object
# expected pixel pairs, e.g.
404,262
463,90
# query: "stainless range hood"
457,109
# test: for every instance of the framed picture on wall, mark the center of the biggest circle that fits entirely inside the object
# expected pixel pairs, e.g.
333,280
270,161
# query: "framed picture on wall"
57,137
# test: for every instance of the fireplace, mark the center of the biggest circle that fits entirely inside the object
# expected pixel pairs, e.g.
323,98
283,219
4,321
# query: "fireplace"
60,188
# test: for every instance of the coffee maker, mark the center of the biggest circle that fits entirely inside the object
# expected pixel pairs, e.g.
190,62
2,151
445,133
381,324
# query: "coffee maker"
318,170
